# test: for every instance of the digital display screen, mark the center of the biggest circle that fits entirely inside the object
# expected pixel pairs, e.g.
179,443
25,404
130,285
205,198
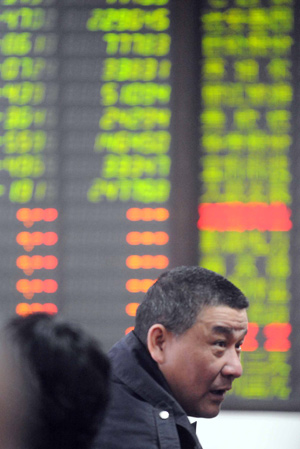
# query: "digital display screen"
245,207
138,135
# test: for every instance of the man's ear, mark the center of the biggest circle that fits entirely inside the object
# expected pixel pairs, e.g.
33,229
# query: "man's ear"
156,342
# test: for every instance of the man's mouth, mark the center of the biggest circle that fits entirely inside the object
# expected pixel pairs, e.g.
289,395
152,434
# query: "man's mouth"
220,391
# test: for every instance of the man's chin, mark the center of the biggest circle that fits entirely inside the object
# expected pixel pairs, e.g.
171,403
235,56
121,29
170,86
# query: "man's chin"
205,412
210,414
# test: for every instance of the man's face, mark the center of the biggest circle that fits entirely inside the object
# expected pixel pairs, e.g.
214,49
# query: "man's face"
201,364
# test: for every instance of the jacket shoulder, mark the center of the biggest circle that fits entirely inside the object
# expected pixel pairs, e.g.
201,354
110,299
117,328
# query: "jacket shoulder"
129,421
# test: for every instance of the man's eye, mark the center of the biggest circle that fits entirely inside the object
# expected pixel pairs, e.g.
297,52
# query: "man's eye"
221,343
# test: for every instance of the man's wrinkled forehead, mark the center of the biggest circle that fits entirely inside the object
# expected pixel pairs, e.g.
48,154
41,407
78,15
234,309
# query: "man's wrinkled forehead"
224,319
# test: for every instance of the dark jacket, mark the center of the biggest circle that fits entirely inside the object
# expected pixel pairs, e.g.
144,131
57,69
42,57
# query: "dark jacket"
142,413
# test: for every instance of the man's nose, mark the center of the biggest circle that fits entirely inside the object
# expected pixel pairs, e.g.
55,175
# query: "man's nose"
232,366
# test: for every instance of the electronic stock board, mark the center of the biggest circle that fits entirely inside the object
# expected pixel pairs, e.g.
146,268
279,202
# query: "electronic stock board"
138,135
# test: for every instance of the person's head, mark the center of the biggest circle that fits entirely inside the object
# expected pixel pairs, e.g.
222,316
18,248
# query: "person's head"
64,376
193,322
13,403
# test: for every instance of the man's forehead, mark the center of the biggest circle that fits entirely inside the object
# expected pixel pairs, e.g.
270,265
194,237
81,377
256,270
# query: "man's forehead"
223,319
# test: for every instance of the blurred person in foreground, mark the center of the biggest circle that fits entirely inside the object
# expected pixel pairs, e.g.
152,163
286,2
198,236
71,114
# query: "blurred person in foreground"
53,385
180,361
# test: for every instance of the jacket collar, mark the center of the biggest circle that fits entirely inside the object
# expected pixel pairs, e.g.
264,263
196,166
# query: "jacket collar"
134,366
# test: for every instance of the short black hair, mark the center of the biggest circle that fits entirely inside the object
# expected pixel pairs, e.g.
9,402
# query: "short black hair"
65,376
178,296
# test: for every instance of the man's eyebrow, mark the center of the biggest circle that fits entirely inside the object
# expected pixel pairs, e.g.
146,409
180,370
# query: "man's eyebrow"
222,330
225,330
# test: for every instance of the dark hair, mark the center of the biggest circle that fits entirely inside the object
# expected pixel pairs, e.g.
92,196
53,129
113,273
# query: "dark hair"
65,377
178,295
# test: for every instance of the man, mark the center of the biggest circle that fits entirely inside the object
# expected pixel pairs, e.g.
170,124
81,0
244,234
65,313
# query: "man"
180,361
54,383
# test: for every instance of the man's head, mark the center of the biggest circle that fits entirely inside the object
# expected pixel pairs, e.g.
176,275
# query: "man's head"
64,377
193,322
